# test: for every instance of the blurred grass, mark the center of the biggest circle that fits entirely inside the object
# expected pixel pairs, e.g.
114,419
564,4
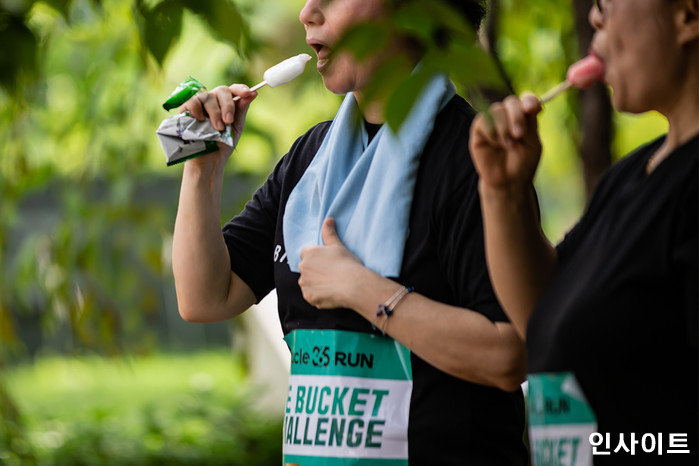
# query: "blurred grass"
195,409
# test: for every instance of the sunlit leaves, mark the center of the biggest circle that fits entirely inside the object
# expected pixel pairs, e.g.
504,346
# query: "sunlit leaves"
22,45
143,410
224,19
161,24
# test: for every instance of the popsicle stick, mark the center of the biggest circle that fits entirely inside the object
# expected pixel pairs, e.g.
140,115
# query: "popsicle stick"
555,91
253,88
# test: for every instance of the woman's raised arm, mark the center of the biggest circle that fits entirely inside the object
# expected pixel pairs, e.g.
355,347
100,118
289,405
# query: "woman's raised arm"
505,148
207,289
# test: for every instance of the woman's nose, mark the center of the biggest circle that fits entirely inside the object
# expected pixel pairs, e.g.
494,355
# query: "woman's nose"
595,17
311,13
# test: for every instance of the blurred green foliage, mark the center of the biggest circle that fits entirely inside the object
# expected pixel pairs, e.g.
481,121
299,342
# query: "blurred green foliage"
155,410
81,88
79,126
79,246
79,138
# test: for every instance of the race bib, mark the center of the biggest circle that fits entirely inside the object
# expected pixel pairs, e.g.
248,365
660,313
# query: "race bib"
560,421
349,399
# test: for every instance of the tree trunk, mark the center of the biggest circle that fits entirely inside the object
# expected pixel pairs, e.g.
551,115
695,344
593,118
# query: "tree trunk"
595,111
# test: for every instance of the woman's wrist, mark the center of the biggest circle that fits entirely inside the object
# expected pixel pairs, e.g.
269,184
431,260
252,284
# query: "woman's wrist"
370,291
359,283
205,170
516,193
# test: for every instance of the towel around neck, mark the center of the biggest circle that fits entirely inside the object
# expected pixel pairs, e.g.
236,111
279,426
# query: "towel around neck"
366,188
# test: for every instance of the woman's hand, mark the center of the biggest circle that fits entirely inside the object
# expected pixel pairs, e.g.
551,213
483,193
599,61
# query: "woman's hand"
506,149
218,105
458,341
330,272
505,144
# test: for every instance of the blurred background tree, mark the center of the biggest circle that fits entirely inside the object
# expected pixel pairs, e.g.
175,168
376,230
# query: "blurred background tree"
88,204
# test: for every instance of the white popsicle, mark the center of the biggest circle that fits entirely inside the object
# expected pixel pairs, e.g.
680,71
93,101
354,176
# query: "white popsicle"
286,70
282,72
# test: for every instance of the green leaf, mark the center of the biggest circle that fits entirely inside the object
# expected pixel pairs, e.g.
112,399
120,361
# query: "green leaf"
161,27
473,66
423,19
413,19
224,19
364,38
388,76
404,97
448,17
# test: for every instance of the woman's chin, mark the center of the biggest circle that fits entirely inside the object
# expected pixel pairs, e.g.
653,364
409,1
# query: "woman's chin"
336,86
341,75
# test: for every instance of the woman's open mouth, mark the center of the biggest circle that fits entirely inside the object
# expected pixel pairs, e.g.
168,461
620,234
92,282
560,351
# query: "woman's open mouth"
322,51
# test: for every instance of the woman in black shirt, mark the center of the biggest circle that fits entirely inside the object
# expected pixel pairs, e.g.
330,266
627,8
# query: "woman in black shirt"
443,386
610,314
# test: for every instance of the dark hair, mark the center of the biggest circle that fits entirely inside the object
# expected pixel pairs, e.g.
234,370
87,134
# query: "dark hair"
472,11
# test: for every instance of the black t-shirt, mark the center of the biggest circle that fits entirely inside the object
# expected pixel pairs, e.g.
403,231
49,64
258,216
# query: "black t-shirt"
621,310
451,421
371,129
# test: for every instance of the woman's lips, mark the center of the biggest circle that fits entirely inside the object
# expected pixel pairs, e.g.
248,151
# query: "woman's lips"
595,53
322,51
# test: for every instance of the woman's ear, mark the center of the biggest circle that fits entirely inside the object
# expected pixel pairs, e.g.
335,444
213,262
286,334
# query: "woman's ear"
687,20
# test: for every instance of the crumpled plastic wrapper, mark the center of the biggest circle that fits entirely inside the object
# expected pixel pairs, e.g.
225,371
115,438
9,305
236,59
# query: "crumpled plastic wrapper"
184,137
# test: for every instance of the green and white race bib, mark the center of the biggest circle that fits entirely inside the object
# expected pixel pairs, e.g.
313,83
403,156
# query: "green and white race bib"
349,399
560,421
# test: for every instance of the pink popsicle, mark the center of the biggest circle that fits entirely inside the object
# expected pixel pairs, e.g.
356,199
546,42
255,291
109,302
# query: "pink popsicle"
581,74
584,73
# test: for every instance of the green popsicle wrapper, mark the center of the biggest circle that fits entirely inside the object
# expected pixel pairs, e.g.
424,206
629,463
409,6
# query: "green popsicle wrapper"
183,92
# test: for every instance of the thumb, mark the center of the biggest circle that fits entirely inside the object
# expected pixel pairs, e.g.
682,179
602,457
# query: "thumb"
329,233
531,104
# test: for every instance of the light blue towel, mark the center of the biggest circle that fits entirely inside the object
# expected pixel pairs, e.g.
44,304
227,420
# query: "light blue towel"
367,190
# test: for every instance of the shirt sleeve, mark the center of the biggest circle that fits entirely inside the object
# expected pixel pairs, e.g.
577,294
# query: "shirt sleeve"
462,252
249,236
